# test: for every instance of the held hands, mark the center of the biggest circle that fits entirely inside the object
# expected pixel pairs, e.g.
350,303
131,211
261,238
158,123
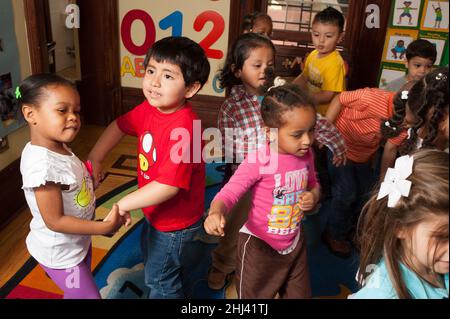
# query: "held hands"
308,201
117,218
215,223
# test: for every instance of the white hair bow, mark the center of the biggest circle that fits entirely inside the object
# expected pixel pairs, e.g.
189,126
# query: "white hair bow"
404,95
395,183
277,82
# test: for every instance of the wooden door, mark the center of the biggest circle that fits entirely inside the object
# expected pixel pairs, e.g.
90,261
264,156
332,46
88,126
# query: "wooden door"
99,86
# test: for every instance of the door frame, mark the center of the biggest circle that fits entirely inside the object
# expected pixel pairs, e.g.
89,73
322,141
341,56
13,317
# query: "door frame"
99,87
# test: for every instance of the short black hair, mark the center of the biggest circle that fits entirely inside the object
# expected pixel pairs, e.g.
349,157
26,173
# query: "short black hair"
187,54
330,16
421,48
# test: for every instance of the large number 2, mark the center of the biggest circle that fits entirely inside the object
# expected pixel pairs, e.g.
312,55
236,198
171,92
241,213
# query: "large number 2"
214,35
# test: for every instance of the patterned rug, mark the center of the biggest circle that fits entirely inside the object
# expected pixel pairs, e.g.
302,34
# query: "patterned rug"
117,262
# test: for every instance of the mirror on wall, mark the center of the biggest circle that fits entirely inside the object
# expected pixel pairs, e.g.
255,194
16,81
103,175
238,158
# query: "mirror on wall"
10,115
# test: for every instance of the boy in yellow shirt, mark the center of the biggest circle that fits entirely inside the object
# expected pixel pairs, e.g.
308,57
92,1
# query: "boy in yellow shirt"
324,73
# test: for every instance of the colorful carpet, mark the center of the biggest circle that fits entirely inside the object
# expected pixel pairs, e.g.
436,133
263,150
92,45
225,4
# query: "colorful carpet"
117,261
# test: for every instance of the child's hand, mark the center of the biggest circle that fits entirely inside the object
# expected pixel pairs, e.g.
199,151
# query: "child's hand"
97,174
308,201
126,217
339,160
114,219
297,61
215,223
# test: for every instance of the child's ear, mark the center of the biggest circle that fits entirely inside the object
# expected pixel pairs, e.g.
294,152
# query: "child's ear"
236,72
192,90
400,232
270,134
28,113
341,37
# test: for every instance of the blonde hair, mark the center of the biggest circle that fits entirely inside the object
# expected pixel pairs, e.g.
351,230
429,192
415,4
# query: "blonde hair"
378,225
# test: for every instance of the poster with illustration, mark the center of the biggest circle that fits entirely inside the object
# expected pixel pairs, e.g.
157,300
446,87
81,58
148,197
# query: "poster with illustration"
398,41
435,16
406,13
440,40
389,73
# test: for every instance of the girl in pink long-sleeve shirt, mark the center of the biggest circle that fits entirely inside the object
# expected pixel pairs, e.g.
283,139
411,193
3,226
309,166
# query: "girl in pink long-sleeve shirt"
281,175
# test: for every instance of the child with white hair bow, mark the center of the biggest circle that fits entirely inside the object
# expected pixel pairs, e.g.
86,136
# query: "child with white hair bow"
403,231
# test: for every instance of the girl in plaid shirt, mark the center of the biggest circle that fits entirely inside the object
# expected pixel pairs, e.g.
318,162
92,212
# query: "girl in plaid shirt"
245,77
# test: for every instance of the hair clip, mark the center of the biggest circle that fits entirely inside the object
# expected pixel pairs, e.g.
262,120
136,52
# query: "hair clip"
277,82
18,94
389,125
395,184
441,76
404,95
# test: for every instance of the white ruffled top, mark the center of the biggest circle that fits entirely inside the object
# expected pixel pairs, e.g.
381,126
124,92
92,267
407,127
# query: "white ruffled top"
38,166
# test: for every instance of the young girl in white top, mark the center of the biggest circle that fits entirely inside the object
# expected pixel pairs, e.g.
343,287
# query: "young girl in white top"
58,187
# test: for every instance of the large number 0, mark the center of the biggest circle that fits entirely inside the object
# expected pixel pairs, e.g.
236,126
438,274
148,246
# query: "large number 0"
214,35
150,32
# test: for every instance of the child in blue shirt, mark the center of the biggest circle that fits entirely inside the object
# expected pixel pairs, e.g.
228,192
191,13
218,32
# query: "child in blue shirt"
403,231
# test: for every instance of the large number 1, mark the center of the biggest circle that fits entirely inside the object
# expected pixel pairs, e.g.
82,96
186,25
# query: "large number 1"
214,35
174,20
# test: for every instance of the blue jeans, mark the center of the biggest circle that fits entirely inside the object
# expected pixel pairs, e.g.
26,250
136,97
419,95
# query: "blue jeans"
169,258
350,188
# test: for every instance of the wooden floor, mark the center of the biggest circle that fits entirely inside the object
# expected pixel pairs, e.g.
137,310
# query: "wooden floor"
13,252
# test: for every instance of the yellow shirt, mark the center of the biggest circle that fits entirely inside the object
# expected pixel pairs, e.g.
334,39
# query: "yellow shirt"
324,74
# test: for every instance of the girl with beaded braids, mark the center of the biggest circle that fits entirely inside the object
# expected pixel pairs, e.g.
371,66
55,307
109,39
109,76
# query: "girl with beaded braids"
424,110
271,249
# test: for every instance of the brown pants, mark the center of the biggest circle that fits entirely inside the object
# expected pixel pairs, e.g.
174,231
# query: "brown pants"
261,272
224,255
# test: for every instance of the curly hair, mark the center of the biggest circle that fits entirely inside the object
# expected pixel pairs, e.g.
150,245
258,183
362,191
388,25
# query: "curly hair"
428,101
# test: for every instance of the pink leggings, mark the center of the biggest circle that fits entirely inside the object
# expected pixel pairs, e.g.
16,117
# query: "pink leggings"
77,282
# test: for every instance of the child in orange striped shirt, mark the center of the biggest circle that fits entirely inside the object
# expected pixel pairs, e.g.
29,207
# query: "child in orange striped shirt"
358,116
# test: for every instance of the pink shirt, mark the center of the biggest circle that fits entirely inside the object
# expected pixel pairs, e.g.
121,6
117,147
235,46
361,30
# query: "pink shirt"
275,214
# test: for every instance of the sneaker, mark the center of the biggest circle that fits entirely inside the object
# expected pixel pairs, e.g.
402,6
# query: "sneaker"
339,248
216,278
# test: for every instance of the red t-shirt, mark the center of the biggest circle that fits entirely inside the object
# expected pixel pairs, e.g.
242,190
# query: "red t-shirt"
155,163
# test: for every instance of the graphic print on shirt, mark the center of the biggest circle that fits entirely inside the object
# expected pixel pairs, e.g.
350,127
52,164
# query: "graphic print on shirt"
84,199
315,79
147,155
285,215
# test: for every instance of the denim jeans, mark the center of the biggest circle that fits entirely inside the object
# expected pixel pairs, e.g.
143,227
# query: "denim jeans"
350,188
169,258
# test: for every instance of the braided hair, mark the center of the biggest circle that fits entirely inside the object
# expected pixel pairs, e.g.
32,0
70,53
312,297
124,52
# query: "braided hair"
428,101
281,99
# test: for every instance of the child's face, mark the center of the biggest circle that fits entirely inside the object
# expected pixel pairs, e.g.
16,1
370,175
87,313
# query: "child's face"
297,134
164,86
57,118
252,72
421,246
418,67
262,26
325,37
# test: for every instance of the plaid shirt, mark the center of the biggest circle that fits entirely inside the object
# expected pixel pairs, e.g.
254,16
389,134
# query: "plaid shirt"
242,113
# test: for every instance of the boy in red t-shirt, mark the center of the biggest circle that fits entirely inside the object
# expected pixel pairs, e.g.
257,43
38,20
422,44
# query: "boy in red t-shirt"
171,180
